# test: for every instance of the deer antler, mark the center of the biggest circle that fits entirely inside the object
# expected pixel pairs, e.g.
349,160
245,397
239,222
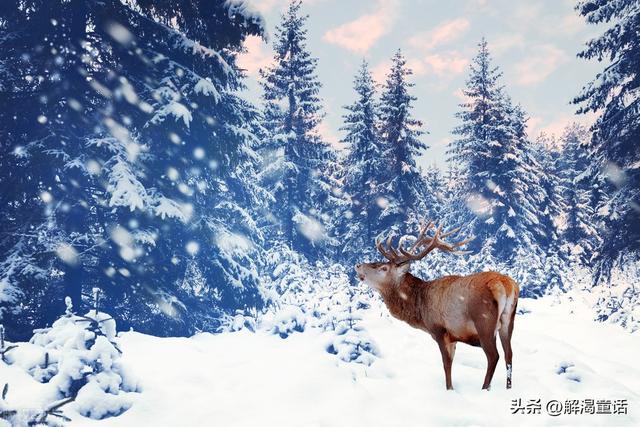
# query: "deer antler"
428,243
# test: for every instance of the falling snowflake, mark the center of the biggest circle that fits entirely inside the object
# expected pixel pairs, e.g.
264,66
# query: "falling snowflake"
382,202
199,153
67,254
192,248
46,197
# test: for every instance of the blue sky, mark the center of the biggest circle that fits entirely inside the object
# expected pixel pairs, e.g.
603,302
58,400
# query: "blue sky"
533,42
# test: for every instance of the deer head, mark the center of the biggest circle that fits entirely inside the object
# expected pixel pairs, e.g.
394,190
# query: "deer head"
380,275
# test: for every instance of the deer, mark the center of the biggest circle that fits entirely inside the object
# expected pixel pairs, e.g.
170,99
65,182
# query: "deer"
471,309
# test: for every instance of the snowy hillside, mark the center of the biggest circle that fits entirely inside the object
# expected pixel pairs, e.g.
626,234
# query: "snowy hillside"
251,379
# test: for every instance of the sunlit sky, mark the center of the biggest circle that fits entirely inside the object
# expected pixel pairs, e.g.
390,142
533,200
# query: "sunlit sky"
533,42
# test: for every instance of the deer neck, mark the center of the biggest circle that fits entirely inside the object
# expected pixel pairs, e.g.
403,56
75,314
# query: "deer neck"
405,298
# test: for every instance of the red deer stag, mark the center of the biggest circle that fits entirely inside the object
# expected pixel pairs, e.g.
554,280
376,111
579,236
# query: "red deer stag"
470,309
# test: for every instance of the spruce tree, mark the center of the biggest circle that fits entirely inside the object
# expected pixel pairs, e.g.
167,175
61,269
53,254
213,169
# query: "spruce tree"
400,133
364,169
552,204
435,193
141,143
501,182
294,154
580,235
551,208
614,93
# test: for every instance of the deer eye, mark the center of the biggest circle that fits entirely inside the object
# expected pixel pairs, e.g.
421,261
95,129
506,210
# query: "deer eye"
384,268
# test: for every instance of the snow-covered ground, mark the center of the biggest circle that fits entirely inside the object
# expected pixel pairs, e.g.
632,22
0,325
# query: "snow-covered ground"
258,379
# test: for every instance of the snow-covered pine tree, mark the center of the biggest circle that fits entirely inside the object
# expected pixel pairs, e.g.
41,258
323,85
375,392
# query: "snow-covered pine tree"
434,193
500,175
364,171
446,189
402,187
351,342
579,234
480,116
551,205
78,358
615,94
202,237
295,156
551,208
49,227
456,209
128,161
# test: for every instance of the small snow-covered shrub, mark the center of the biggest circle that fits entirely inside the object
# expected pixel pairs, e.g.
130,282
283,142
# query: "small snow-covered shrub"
303,296
241,320
79,358
354,345
618,300
351,343
286,321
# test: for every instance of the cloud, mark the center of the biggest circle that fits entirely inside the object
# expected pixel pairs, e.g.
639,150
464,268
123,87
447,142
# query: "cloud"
505,42
555,126
524,15
459,93
566,25
328,135
443,33
362,33
542,60
445,65
448,63
572,23
444,142
417,66
264,6
257,56
534,125
379,71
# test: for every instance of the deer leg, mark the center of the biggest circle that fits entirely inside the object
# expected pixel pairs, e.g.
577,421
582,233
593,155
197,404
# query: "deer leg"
506,346
447,359
486,328
491,350
506,329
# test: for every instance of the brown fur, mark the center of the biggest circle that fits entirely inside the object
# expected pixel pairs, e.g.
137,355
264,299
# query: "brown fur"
470,309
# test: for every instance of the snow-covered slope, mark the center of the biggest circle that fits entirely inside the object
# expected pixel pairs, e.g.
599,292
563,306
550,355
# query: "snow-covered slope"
258,379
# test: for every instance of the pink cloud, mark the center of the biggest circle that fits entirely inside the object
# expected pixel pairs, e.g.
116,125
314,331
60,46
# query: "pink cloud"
538,65
443,33
266,5
534,124
257,56
444,142
446,63
327,134
417,66
362,33
555,126
379,71
459,93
